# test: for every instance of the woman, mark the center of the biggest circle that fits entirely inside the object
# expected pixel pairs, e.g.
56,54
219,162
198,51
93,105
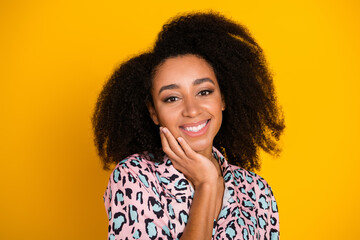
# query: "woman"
169,116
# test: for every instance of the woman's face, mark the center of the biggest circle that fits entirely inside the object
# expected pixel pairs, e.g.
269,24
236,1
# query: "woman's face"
187,100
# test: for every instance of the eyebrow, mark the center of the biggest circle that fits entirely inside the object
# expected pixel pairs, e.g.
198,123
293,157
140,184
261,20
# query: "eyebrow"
196,82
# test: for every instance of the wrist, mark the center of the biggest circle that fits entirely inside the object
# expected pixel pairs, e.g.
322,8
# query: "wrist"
209,186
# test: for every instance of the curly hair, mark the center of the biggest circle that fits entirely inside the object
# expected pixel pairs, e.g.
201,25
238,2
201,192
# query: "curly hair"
252,119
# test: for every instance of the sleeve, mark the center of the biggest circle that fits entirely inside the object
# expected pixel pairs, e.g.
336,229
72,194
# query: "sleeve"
133,206
267,215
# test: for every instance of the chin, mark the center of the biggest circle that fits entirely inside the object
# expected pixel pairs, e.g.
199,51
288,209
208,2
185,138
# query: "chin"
200,146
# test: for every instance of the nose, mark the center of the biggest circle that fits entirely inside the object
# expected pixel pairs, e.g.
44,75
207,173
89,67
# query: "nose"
191,108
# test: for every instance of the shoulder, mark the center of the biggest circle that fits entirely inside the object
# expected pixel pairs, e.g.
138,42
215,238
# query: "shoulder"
136,162
135,173
136,166
248,177
254,186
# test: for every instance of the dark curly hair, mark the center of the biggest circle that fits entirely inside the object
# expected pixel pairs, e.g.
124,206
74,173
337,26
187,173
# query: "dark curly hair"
252,119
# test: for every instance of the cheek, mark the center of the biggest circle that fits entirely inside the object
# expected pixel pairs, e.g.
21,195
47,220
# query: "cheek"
215,106
168,118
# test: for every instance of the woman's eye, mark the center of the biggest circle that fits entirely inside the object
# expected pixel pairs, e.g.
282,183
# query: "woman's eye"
171,99
205,92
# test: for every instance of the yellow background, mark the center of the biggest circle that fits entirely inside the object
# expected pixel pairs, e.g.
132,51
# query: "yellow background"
56,55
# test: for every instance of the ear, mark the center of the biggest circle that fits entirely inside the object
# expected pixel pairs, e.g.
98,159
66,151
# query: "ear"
223,105
153,113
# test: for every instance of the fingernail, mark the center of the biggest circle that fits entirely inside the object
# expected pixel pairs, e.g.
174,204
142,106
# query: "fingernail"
164,130
179,139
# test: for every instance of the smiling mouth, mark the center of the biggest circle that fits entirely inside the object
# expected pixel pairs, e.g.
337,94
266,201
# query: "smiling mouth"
195,129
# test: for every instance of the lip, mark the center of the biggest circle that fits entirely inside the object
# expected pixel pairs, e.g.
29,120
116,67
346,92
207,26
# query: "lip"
193,124
196,134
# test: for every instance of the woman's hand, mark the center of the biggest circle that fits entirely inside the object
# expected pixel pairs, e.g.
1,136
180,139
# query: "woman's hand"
197,168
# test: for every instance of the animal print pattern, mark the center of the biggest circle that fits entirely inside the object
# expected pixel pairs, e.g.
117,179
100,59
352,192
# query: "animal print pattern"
147,200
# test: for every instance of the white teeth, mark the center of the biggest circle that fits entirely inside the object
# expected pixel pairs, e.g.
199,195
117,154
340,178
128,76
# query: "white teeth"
196,129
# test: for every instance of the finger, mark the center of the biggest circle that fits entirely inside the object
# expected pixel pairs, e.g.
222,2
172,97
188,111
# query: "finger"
173,143
178,158
189,152
176,161
164,142
166,147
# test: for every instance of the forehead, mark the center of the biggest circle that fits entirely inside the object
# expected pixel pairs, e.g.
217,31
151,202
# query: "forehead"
182,69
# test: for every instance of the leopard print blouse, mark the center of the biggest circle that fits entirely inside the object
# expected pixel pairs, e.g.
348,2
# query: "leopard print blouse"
147,200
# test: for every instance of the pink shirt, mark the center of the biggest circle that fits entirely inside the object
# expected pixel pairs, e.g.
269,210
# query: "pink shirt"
147,200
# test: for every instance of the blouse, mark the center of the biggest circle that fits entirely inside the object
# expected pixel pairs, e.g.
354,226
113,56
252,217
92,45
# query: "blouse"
148,200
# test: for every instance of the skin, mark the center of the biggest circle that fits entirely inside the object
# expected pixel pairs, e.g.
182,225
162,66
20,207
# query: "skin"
186,94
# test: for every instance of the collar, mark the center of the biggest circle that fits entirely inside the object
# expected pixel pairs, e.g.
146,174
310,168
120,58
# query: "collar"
222,161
